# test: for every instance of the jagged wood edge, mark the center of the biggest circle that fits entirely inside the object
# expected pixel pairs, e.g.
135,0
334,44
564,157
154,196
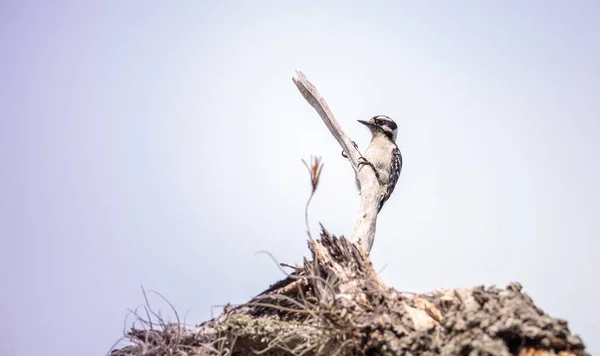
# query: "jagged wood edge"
355,313
370,197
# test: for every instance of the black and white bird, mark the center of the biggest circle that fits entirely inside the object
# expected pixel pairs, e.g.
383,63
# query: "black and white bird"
383,154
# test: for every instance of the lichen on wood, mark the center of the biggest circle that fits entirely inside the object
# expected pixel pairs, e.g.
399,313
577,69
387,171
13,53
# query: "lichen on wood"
338,305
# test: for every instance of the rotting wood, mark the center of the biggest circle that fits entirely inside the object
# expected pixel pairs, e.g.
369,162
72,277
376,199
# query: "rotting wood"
338,305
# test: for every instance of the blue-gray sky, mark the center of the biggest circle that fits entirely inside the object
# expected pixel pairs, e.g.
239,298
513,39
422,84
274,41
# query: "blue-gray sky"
159,143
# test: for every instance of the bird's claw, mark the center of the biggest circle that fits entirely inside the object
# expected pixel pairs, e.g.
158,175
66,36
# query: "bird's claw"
363,161
344,153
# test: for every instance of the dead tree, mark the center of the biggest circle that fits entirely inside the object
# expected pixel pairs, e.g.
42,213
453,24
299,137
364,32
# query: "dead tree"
335,304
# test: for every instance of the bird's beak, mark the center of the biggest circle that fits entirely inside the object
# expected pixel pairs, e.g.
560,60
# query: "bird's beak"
366,123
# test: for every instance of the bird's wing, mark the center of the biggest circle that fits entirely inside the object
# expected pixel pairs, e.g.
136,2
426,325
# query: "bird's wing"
394,175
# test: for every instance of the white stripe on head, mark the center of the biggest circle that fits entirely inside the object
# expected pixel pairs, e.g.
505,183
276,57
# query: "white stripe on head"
387,125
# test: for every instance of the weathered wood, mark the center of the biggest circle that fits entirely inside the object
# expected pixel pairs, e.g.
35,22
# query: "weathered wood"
338,305
370,194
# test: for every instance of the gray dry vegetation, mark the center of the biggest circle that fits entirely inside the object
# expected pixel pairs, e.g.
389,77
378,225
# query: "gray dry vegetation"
336,305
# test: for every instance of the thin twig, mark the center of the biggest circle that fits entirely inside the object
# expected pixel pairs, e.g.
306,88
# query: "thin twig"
314,169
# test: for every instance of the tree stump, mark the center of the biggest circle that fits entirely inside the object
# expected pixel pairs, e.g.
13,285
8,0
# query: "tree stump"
337,305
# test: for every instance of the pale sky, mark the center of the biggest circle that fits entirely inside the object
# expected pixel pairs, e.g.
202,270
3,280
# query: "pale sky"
159,143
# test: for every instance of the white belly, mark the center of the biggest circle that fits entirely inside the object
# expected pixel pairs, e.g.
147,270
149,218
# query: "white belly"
379,153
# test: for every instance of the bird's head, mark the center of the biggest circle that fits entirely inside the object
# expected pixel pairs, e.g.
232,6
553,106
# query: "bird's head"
383,125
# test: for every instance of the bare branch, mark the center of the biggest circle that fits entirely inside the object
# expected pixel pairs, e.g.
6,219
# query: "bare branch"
364,229
315,99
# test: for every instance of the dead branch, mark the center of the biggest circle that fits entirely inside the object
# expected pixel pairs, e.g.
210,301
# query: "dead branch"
370,197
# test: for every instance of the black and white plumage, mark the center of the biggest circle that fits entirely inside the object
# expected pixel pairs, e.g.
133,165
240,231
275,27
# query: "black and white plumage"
383,154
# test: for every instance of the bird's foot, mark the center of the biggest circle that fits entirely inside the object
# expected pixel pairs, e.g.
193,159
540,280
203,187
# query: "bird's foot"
363,161
344,153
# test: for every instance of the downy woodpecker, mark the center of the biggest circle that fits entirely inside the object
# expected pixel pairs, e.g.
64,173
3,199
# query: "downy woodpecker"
383,155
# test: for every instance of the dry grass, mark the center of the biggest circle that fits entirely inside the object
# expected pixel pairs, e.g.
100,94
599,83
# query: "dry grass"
322,327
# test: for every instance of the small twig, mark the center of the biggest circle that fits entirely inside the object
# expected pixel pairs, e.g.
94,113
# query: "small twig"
297,269
382,269
277,263
314,169
148,307
310,93
278,307
179,326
